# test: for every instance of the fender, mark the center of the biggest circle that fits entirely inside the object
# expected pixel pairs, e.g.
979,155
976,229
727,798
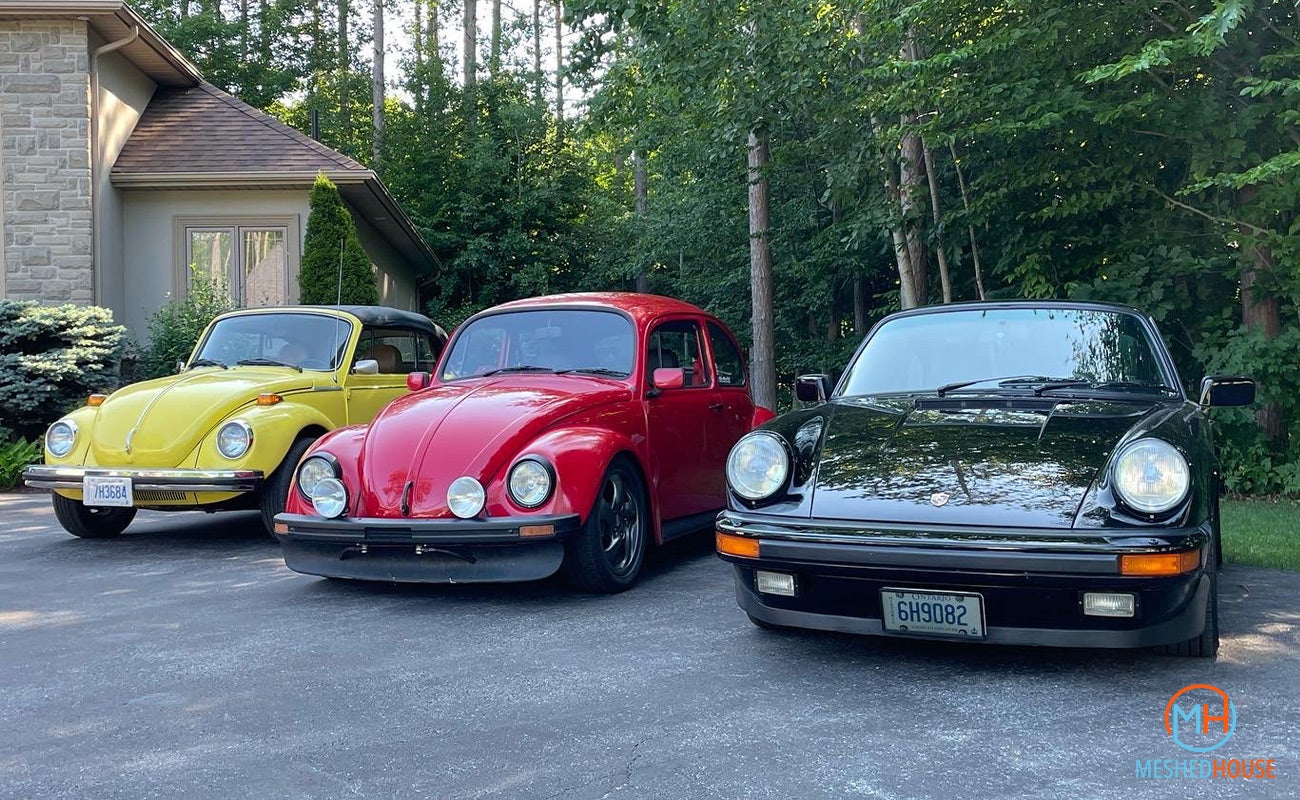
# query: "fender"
274,427
580,456
761,415
345,445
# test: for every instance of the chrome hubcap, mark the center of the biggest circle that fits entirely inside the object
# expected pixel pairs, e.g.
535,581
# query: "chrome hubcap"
619,520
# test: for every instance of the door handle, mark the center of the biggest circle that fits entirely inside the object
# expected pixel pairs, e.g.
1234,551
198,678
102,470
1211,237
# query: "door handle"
716,406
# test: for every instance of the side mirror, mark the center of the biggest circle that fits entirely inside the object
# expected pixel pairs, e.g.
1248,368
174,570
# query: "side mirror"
669,378
812,388
415,381
1227,390
366,366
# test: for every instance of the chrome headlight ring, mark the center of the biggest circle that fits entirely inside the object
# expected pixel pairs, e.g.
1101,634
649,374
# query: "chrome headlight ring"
61,437
234,439
314,469
466,497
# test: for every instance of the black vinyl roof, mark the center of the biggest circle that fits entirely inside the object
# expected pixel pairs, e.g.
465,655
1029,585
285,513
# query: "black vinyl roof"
383,315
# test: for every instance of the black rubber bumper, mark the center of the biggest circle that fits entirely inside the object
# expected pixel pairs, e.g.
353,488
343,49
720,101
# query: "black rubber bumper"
424,551
1031,595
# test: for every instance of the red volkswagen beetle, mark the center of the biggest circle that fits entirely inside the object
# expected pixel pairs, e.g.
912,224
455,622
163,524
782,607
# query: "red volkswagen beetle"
565,431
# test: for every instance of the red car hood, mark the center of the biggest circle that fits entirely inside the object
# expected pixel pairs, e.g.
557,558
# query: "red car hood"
434,436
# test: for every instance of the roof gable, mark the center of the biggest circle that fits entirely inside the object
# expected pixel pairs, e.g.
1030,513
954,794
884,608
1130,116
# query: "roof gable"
202,129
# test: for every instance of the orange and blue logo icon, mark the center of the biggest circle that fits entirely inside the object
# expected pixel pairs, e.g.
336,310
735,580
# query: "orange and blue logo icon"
1200,718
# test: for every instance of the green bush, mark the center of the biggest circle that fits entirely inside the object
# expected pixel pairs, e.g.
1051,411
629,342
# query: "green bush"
175,328
14,457
328,226
51,358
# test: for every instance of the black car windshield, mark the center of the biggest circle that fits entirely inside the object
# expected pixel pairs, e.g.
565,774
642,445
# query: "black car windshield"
301,341
551,340
1009,347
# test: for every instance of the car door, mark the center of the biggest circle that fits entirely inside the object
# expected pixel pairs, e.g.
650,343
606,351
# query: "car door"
399,352
731,409
677,418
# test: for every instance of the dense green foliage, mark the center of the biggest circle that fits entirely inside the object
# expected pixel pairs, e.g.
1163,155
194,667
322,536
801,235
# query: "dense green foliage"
175,328
1112,150
15,456
335,269
51,358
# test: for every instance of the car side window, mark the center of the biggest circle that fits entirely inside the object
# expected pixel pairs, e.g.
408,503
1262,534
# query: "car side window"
727,360
677,345
480,349
394,349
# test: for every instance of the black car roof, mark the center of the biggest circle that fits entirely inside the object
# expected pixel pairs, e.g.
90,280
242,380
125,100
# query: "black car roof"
1094,305
383,315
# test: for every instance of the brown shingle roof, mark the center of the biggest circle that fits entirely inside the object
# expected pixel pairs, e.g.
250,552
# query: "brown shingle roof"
203,129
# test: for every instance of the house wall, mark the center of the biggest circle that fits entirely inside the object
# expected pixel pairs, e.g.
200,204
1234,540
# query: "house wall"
124,93
45,181
397,282
152,254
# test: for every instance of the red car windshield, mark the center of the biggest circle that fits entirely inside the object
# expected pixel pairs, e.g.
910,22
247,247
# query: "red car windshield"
550,340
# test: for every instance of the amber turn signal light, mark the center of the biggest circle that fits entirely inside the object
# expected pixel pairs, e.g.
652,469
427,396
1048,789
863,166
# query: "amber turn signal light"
268,399
536,530
96,400
1160,563
742,546
280,527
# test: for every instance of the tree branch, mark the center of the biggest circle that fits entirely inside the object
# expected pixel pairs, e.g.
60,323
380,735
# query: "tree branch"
1212,218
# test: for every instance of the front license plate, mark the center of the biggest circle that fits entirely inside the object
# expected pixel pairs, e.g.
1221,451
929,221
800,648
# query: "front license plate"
956,614
101,491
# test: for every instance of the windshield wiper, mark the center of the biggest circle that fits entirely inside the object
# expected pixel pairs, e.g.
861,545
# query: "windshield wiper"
519,368
611,373
206,362
1011,380
266,362
1072,384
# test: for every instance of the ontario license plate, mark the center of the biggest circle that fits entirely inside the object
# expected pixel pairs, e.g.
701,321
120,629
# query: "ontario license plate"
956,614
101,491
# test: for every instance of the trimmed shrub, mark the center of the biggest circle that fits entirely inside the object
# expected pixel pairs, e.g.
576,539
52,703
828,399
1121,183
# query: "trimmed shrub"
51,358
14,458
175,328
330,226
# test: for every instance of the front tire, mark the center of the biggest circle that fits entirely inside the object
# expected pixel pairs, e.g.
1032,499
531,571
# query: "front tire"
1206,645
275,492
91,522
605,557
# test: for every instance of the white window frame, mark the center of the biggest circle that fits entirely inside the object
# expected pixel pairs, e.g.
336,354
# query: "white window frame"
289,223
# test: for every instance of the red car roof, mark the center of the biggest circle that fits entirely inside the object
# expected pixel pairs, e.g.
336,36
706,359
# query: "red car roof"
639,306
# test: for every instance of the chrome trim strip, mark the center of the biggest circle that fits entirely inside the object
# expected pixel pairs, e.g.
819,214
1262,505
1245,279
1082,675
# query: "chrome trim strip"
166,480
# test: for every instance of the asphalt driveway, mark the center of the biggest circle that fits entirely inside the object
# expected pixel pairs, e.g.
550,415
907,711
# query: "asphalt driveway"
184,661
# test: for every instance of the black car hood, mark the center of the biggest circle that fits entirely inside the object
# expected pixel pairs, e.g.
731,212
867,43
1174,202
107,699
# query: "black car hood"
994,461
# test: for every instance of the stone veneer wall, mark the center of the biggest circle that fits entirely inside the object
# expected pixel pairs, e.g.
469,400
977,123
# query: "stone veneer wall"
45,188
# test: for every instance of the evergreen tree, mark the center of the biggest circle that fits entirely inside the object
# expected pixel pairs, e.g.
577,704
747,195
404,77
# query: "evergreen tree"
329,227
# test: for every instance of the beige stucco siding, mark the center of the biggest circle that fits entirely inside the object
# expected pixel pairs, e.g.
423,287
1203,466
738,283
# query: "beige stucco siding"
151,250
124,93
45,191
397,282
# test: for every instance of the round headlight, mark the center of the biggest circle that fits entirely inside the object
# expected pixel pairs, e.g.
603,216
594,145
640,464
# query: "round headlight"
330,498
758,466
60,438
312,471
530,483
465,497
1151,476
234,439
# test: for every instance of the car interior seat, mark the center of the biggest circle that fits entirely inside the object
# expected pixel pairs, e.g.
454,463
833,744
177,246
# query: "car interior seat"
389,358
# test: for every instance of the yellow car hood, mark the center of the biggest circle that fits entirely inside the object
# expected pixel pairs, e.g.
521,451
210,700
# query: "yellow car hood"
157,423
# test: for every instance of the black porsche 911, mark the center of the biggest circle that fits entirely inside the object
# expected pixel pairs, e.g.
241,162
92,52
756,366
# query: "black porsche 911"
1008,472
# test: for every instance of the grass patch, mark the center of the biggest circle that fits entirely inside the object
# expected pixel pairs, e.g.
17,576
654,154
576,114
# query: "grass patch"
1262,533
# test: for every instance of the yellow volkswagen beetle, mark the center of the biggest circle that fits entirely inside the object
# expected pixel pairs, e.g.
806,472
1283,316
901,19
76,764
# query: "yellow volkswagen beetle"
229,429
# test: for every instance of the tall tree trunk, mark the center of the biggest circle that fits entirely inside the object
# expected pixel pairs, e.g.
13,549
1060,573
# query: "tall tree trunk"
940,251
494,56
1261,313
433,45
640,191
417,45
243,30
762,357
378,87
859,305
910,189
539,77
559,62
902,254
965,204
471,43
264,28
185,8
344,67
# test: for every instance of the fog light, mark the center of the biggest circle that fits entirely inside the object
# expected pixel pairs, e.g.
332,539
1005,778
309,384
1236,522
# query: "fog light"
1102,604
774,582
